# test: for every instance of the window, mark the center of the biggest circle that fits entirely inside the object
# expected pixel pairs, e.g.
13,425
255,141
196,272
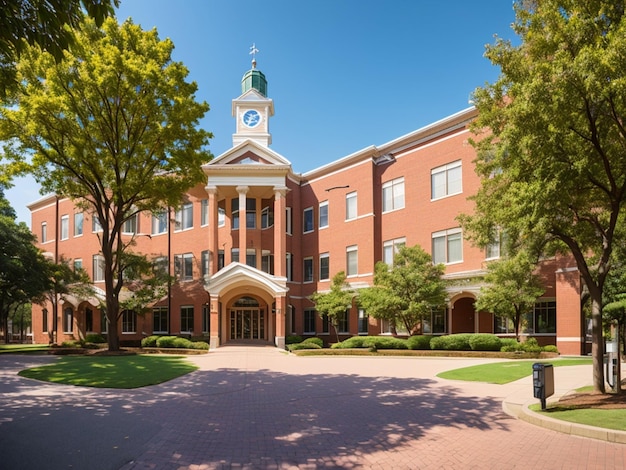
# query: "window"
307,220
204,212
68,320
307,270
130,225
183,265
96,226
447,246
309,321
325,324
387,327
289,267
78,224
324,267
221,216
323,214
88,319
186,319
267,217
104,322
234,255
161,265
251,213
292,317
342,322
78,264
235,213
159,222
363,322
251,257
446,180
390,248
184,217
436,324
129,321
288,221
267,262
204,261
65,227
351,206
494,249
503,325
98,268
220,259
393,195
44,320
206,319
44,232
352,260
542,319
159,320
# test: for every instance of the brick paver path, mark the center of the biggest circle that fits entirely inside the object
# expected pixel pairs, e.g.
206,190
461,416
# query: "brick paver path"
258,408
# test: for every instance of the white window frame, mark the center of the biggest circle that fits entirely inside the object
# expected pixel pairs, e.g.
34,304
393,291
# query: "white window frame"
65,227
352,250
325,256
448,236
44,232
352,211
181,263
96,226
267,217
79,219
129,322
163,312
98,268
204,212
323,215
288,221
306,278
311,313
390,248
393,195
78,264
131,225
184,217
221,216
305,217
193,313
449,187
159,223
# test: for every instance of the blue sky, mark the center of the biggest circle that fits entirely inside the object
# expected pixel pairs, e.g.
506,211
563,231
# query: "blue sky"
343,74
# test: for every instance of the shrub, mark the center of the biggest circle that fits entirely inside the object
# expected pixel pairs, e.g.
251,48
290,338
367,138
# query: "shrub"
455,342
509,345
485,342
149,341
304,345
182,343
350,343
293,339
202,345
385,342
165,342
317,341
71,344
419,342
550,348
531,345
95,338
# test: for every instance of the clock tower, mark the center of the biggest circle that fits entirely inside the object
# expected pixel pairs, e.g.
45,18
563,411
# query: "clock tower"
253,108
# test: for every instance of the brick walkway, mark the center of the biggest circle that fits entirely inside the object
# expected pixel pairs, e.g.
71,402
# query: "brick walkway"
258,408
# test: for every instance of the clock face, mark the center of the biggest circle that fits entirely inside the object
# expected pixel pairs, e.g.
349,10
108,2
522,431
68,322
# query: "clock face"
251,118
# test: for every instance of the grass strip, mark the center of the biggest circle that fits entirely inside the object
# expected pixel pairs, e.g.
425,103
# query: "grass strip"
504,372
604,418
23,348
111,371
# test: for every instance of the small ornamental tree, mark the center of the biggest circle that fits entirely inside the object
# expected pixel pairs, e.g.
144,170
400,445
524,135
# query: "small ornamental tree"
335,302
406,293
512,288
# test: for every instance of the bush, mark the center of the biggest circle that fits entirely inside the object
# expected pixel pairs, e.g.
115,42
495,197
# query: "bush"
149,341
385,342
71,344
182,343
317,341
201,345
165,341
550,348
419,342
293,339
485,342
351,343
509,345
531,345
455,342
304,345
95,338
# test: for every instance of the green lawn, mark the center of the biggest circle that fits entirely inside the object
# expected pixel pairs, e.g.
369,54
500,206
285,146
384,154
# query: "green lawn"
112,371
23,348
609,419
504,372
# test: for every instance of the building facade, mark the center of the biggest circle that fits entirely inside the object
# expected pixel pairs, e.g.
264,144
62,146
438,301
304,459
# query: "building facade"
249,247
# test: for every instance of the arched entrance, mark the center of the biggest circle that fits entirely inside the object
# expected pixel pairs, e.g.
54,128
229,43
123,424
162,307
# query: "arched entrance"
247,319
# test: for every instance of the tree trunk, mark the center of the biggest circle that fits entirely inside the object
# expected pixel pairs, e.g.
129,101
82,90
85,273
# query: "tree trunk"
597,344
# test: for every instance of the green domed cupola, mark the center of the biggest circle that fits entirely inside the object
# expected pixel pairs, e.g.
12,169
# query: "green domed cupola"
254,78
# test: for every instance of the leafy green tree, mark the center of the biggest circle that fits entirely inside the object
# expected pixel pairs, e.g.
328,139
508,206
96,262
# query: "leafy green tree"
406,293
512,288
22,317
44,23
335,302
114,127
23,268
552,137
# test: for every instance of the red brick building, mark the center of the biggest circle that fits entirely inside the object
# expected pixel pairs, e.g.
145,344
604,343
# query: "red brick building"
252,244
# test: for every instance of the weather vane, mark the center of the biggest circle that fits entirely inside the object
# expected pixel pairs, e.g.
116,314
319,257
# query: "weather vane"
253,51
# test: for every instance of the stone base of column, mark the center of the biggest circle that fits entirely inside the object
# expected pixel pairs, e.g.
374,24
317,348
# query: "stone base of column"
279,341
214,342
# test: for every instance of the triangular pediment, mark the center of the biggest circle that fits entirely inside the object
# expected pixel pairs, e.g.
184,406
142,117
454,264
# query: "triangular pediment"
252,95
237,274
248,152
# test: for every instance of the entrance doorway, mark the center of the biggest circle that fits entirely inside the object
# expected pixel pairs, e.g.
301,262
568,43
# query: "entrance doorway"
247,319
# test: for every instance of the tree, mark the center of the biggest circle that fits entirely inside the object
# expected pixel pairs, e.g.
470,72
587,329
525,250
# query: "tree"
114,128
551,139
336,302
512,288
23,268
44,23
406,293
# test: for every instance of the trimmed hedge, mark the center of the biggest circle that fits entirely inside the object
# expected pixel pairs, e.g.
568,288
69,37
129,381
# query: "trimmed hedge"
454,342
150,341
95,338
485,342
314,340
419,342
293,339
173,342
304,345
372,342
